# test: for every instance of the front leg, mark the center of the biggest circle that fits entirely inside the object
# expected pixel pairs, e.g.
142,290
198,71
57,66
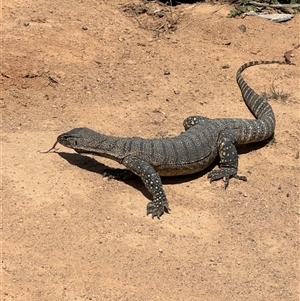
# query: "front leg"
153,183
228,159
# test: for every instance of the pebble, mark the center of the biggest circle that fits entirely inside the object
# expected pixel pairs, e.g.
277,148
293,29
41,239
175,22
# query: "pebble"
243,28
160,250
84,27
26,23
167,72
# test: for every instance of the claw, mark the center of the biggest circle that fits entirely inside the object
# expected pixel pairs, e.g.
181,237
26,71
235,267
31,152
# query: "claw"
157,211
225,174
226,180
242,178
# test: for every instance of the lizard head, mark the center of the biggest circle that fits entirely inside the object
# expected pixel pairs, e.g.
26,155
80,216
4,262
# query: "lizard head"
84,140
76,138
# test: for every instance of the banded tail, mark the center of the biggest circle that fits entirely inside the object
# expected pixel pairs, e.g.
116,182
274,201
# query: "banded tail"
257,104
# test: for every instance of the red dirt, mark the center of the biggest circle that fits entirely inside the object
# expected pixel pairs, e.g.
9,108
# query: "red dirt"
69,234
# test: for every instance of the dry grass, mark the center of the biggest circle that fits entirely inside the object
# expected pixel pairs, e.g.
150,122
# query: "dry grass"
153,16
276,93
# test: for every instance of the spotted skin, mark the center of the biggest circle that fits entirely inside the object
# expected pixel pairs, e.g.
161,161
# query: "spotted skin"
193,150
228,159
150,178
153,183
193,120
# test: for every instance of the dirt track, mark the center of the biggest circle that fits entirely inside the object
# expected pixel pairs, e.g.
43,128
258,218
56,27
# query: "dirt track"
69,234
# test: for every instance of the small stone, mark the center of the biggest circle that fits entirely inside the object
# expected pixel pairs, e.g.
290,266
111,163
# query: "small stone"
242,28
226,66
160,250
26,23
167,72
108,218
245,194
84,27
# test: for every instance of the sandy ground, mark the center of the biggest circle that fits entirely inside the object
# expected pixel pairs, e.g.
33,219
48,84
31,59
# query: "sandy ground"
69,234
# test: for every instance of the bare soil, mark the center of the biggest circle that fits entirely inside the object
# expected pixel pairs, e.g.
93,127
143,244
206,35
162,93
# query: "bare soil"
69,234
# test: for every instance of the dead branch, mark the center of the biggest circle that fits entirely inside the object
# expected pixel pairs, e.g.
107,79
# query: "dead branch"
274,5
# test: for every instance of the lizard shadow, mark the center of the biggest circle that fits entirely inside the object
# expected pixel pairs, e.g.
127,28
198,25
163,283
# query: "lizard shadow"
92,165
241,149
247,148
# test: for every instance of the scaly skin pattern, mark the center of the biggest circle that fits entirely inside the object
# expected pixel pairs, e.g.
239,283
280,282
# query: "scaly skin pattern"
195,149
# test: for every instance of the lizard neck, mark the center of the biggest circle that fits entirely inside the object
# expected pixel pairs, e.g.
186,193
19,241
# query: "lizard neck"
103,145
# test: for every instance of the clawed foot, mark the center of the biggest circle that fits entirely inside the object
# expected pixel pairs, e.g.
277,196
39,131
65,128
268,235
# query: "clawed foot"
118,174
157,208
225,173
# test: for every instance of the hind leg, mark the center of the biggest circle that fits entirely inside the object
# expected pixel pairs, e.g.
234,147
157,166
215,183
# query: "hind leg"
228,159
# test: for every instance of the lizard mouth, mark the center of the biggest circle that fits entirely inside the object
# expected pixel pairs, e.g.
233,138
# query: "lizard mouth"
67,140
